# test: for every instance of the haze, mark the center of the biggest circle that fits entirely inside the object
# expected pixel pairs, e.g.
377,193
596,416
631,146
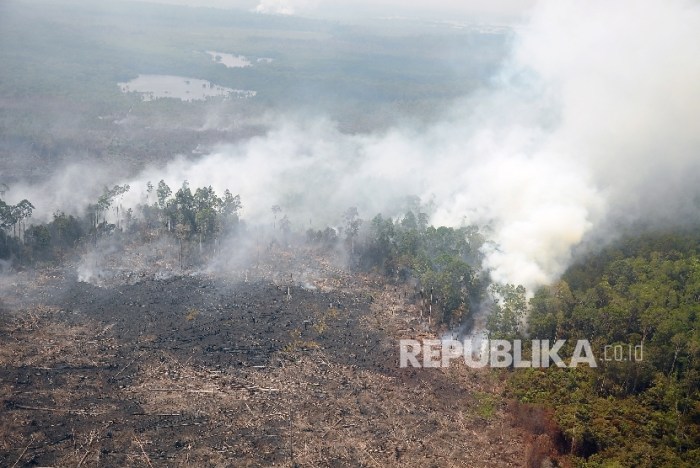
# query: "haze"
530,131
441,9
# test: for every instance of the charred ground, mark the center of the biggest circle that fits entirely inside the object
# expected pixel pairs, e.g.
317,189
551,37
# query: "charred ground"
209,370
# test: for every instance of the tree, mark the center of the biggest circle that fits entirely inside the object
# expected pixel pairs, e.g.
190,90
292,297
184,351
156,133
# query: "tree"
149,191
66,230
207,205
230,206
163,192
105,201
184,204
182,232
38,238
285,226
352,226
381,248
548,309
24,211
7,219
508,311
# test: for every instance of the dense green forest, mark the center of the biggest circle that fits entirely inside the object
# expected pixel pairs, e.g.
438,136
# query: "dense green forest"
644,290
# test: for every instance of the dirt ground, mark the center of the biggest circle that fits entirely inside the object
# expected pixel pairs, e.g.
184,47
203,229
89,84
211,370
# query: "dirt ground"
255,369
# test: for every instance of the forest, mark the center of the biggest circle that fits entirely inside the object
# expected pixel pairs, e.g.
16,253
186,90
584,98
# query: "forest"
642,290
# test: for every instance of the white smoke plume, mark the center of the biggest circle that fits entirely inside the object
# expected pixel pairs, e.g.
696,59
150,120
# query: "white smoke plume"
593,121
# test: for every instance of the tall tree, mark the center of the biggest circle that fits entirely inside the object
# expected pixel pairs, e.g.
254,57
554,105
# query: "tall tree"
352,226
163,192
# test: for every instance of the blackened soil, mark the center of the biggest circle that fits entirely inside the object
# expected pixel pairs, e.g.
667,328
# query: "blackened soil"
196,371
224,325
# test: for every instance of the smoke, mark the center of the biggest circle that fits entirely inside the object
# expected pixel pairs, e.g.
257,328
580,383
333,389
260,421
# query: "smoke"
69,190
591,123
92,267
112,261
625,75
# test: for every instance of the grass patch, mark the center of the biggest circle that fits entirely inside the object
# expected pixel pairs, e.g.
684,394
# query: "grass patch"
484,405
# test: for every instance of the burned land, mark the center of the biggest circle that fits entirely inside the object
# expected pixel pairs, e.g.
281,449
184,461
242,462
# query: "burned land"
249,369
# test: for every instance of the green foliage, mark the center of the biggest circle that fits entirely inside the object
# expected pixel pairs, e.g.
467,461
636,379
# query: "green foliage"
39,241
10,246
507,312
65,230
484,406
643,291
98,212
327,238
201,215
13,220
352,226
163,193
445,261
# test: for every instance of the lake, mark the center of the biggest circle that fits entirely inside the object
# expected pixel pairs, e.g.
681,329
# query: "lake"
178,87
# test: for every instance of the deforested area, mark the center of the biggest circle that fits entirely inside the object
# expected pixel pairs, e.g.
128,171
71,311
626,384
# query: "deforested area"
200,370
293,233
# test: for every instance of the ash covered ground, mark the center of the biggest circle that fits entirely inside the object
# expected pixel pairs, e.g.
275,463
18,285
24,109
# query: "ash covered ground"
292,362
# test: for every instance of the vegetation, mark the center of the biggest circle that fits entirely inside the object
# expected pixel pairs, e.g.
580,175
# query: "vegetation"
445,262
13,220
643,411
199,217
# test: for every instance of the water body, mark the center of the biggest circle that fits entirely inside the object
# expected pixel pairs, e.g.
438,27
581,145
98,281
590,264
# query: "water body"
230,60
179,87
236,61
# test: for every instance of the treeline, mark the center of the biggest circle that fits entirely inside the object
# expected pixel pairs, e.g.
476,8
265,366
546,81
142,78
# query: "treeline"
198,217
444,263
13,220
627,412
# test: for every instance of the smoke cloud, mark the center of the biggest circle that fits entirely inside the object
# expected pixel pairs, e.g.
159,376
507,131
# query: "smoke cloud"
591,123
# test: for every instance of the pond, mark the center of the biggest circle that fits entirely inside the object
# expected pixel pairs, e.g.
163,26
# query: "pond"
237,61
230,60
178,87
